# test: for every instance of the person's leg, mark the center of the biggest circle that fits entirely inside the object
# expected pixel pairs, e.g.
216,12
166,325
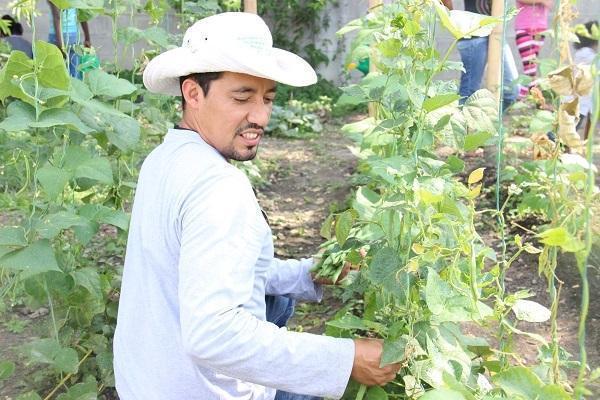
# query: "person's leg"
529,45
292,396
510,76
473,54
279,309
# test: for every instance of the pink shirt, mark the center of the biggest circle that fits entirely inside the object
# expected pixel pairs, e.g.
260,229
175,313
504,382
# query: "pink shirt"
531,17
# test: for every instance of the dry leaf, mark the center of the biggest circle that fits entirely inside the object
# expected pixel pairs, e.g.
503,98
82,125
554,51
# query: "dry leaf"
568,117
561,80
584,81
543,147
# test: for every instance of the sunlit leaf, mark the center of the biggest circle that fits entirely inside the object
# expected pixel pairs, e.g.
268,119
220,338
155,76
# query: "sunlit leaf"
475,176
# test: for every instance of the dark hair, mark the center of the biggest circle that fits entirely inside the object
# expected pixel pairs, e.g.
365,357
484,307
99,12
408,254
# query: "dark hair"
585,41
203,79
15,27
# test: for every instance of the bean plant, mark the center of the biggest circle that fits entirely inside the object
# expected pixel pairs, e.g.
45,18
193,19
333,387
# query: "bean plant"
425,275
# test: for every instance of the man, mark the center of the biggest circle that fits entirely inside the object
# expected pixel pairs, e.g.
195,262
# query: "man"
193,317
473,54
65,21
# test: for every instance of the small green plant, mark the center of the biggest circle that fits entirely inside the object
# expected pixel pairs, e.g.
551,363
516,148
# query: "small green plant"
297,119
16,325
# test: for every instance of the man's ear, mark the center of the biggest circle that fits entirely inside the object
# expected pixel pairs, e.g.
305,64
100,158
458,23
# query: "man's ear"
192,93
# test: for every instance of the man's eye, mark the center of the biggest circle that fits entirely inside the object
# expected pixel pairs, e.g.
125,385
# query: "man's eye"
269,100
240,100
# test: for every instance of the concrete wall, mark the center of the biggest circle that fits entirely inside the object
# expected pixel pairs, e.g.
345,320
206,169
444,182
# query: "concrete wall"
338,15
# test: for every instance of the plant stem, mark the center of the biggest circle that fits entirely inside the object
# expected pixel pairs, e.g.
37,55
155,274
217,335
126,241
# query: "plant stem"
67,377
582,260
361,392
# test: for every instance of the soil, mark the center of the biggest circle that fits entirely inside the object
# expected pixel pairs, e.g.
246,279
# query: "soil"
309,178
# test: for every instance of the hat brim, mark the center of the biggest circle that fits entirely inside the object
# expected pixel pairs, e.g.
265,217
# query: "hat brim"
162,72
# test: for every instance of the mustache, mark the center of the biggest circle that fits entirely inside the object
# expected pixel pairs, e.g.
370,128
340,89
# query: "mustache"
250,125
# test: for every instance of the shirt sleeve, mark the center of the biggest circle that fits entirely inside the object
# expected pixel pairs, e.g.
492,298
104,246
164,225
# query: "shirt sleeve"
292,277
221,240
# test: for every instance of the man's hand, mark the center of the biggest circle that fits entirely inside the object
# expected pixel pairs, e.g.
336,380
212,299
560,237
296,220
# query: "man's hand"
367,357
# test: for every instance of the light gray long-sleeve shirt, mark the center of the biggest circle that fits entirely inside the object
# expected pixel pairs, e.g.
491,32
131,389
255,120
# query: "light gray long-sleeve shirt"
191,322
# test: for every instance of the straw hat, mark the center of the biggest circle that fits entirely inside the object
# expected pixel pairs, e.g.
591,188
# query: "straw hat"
234,42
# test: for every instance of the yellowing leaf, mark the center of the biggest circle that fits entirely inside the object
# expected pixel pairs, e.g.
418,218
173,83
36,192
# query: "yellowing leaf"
418,248
476,176
475,191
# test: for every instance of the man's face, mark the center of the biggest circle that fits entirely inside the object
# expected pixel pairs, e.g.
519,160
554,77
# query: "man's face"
233,115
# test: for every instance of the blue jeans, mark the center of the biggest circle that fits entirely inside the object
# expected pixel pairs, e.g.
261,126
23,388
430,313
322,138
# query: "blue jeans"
473,54
69,40
279,310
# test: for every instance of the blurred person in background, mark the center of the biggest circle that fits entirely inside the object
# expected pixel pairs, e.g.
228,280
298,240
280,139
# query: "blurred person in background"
15,38
66,21
530,23
474,53
586,51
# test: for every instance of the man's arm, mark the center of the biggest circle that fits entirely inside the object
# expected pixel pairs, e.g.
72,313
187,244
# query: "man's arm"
87,41
56,23
222,239
292,277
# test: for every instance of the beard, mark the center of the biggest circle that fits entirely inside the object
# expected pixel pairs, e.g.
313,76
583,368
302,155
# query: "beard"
231,153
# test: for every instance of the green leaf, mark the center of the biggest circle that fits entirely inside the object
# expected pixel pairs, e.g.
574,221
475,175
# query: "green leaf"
521,381
50,66
326,227
29,396
81,391
105,84
348,322
376,393
88,278
562,238
66,360
7,368
480,112
444,302
52,224
433,103
343,225
21,116
442,394
83,165
384,265
456,164
105,215
53,179
476,140
120,129
542,122
34,259
12,236
49,351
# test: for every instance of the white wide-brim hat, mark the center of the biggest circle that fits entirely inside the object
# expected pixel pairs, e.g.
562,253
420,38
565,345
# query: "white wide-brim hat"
234,42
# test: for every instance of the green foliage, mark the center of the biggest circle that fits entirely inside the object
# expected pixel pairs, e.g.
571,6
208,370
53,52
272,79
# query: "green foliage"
293,21
410,227
298,119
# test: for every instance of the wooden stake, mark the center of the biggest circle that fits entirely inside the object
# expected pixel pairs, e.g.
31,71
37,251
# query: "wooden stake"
494,61
373,106
250,6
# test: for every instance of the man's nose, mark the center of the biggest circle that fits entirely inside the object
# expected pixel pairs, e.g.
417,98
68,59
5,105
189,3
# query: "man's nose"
260,114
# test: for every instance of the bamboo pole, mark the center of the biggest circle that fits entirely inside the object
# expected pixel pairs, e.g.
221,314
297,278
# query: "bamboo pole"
250,6
373,106
494,61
